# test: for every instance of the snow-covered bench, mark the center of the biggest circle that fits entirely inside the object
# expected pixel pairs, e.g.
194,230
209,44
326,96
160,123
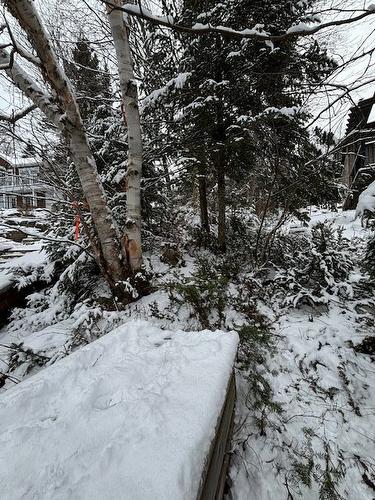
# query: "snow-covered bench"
140,414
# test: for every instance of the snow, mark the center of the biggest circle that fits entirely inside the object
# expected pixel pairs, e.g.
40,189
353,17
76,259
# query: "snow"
300,28
131,415
20,162
175,83
371,117
366,200
308,382
325,389
327,394
286,111
146,13
5,280
32,261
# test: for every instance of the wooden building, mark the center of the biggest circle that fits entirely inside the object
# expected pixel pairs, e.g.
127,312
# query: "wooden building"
22,185
358,151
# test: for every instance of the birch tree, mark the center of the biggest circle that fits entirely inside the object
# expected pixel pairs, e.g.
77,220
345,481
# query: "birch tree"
62,109
120,34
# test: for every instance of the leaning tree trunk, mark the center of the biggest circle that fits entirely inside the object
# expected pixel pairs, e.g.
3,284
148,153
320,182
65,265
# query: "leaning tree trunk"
65,114
120,34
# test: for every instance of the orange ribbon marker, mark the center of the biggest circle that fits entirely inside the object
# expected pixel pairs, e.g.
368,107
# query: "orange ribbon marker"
77,222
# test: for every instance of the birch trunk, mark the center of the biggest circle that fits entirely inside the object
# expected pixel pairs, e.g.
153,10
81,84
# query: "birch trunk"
65,114
120,34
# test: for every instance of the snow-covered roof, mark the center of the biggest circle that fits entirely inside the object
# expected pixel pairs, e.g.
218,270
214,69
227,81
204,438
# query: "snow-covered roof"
20,162
371,117
131,415
26,162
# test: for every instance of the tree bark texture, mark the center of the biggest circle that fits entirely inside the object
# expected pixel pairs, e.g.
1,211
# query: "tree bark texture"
64,113
202,184
120,35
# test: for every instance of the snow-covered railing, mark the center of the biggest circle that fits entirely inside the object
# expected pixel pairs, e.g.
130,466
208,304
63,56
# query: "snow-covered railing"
215,473
142,413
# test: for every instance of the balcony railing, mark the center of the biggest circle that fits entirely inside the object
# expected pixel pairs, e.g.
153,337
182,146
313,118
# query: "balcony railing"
12,181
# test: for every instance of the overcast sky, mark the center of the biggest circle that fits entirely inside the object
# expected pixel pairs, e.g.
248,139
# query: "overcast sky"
344,42
350,41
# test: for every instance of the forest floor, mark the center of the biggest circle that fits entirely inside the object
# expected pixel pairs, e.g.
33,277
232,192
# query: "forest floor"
306,397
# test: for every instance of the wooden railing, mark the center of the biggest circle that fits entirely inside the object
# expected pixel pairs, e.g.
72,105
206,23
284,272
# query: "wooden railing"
215,472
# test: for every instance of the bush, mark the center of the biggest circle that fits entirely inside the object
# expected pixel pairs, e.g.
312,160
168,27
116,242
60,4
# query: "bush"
312,270
369,259
206,292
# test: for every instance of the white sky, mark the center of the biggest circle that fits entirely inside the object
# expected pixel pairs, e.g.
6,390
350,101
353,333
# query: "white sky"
346,42
343,42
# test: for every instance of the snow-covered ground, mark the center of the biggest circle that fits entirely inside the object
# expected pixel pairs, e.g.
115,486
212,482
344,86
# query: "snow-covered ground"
20,248
131,415
321,445
314,439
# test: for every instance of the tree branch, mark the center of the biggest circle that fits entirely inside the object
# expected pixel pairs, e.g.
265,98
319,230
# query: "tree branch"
30,88
18,48
198,29
17,116
46,238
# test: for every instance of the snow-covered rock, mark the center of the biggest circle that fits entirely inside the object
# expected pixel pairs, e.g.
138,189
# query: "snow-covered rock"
131,415
366,200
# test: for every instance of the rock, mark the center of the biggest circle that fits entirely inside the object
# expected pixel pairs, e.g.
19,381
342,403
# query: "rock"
367,346
15,235
172,256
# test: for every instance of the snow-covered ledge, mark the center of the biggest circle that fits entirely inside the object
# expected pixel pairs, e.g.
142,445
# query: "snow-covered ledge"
132,415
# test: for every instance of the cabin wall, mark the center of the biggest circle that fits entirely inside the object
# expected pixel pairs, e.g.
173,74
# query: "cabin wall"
349,159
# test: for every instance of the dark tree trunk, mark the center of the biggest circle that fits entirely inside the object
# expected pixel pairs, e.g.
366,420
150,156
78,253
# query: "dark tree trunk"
220,137
220,170
168,181
202,182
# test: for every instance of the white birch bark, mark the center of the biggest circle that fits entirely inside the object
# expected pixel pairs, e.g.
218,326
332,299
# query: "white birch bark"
65,114
120,34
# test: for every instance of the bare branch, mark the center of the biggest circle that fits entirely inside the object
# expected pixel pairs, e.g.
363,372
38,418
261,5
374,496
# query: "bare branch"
339,98
203,29
18,47
30,88
46,238
17,116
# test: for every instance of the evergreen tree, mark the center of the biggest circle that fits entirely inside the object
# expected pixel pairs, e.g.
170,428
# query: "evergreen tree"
104,123
91,82
229,123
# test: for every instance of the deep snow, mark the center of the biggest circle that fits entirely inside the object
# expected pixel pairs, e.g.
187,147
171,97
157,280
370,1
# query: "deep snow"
325,389
327,394
131,415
